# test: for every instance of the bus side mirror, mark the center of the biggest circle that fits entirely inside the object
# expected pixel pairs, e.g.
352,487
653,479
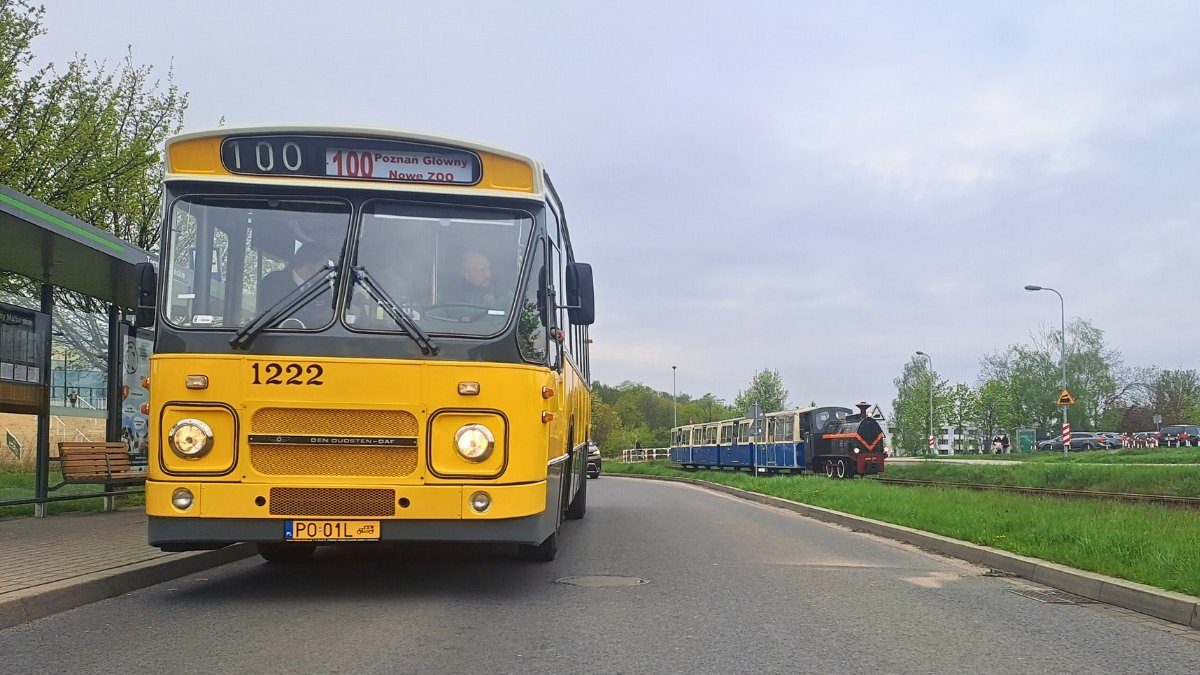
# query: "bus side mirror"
581,301
147,291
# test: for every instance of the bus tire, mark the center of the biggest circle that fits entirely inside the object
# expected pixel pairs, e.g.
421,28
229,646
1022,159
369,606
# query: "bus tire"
286,553
543,552
578,506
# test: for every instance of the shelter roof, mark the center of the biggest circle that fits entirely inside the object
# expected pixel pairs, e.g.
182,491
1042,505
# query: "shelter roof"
43,243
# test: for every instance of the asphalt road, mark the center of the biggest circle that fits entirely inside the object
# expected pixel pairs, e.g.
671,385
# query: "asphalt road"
733,587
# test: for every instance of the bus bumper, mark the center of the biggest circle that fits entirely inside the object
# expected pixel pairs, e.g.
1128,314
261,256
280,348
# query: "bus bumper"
523,514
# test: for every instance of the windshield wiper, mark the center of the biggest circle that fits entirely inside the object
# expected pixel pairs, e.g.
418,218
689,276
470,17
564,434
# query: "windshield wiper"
389,305
300,296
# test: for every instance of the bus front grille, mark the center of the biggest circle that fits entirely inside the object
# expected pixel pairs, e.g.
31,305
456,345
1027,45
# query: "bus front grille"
333,422
333,460
348,502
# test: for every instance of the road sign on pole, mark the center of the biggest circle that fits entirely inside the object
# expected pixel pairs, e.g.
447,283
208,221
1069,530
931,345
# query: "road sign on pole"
1065,398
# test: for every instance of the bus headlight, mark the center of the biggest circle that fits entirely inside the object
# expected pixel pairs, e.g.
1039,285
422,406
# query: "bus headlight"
474,442
190,438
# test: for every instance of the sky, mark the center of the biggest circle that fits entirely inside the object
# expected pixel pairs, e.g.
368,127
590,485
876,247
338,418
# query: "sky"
821,189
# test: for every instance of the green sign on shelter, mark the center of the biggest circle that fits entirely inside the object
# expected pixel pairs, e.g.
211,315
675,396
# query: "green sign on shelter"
14,445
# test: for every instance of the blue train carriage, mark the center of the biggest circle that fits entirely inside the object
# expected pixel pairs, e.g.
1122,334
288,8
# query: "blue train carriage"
848,445
784,441
710,445
681,445
705,451
729,452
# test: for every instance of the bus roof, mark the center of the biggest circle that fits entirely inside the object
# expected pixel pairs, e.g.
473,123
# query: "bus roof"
197,155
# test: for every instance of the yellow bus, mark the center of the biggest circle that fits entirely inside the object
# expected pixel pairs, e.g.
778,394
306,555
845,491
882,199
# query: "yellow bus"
363,335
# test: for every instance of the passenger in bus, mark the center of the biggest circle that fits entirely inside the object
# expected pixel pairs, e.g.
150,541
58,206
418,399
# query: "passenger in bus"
274,287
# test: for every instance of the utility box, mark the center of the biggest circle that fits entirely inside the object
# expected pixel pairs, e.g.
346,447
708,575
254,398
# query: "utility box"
1025,439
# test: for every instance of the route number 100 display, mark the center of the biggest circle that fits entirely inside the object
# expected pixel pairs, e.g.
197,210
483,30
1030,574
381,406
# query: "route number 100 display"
264,156
370,159
351,163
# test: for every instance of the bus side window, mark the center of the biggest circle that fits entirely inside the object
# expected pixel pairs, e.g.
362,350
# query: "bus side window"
532,335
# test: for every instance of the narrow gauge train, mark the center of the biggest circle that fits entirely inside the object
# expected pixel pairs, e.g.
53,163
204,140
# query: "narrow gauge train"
833,440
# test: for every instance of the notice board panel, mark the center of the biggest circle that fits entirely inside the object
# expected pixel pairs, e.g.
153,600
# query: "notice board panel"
24,383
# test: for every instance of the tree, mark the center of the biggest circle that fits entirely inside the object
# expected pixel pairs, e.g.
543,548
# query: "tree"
1175,394
962,410
1032,379
85,141
996,412
766,389
1033,373
606,424
910,409
1091,365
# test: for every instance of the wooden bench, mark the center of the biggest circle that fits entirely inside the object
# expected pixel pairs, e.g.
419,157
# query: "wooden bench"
97,462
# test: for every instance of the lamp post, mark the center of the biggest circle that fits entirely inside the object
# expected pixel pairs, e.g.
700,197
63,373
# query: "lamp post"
1062,351
931,436
674,401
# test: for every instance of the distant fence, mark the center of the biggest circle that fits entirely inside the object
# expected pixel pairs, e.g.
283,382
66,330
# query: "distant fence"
95,398
633,455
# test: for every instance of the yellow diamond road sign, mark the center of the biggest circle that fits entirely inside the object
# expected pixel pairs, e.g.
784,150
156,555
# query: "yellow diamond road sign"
1065,398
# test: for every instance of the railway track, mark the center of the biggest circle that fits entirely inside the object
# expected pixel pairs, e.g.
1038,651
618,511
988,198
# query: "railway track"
1184,502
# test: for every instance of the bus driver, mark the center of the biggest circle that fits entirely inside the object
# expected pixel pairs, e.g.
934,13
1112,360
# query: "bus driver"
474,286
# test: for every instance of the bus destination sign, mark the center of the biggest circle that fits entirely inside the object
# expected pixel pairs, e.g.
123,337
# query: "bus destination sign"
349,158
420,167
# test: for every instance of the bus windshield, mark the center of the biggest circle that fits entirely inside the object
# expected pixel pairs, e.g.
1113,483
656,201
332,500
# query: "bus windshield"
258,251
453,270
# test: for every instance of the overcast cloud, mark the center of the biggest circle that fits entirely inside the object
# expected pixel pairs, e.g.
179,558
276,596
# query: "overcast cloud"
821,190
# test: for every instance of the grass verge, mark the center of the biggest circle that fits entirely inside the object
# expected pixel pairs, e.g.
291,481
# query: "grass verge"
1142,456
1172,480
1149,544
22,485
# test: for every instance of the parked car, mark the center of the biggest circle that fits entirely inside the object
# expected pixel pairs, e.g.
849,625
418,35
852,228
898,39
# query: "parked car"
1115,441
1144,439
593,461
1080,440
1174,435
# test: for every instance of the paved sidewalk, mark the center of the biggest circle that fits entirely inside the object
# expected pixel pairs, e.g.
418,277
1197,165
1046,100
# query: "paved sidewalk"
48,565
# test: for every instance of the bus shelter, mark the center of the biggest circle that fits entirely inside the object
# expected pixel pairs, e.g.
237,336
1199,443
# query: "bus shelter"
44,244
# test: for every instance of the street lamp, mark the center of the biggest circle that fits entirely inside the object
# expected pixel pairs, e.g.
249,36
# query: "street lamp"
674,401
931,436
1062,349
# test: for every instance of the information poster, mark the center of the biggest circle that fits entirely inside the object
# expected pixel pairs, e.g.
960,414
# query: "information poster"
136,347
23,337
